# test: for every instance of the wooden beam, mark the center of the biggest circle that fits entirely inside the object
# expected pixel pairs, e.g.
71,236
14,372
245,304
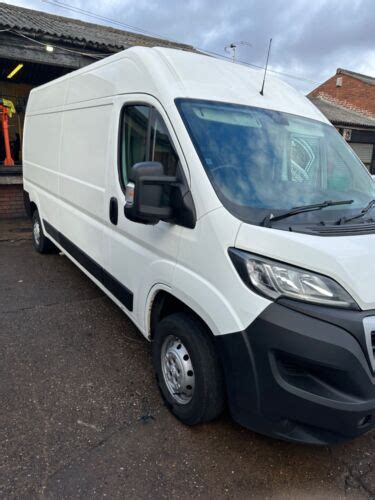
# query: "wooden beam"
22,50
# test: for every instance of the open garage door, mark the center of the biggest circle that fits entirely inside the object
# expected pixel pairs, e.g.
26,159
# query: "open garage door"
17,78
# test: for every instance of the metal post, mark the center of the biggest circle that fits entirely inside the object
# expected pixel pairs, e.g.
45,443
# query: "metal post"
8,161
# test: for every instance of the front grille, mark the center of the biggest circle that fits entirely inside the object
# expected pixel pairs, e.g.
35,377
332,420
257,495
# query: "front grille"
369,327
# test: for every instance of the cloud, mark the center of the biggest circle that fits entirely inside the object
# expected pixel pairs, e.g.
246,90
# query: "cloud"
310,38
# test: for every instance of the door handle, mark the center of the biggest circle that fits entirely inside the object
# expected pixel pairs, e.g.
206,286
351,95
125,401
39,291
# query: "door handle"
113,211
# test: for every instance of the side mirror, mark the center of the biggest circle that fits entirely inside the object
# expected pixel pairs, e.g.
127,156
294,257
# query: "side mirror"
152,196
145,198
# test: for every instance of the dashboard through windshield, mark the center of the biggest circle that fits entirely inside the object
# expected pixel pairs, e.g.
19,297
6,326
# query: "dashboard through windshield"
261,161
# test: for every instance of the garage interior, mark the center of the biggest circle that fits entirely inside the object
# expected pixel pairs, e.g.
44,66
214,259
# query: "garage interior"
17,89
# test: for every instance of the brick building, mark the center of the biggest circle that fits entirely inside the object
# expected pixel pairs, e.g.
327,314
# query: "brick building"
43,47
351,90
347,99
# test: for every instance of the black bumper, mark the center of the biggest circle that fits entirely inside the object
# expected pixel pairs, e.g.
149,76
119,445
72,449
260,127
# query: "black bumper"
301,374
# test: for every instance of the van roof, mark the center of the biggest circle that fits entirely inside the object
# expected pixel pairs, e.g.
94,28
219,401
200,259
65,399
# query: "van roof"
168,74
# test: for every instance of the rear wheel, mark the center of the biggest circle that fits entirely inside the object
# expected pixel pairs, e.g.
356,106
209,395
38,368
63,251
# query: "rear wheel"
187,369
40,241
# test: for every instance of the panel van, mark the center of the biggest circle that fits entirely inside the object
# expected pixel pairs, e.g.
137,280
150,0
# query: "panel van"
235,229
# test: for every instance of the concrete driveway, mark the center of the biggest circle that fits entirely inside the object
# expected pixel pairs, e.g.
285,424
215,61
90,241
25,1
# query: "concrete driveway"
81,417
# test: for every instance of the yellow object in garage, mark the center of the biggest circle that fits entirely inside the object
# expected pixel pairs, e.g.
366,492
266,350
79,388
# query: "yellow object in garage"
8,104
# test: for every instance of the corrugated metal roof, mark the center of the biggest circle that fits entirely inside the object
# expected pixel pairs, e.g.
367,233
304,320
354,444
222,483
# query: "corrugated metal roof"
364,78
73,30
339,115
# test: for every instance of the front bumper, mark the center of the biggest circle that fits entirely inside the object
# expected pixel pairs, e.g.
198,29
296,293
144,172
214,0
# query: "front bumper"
301,373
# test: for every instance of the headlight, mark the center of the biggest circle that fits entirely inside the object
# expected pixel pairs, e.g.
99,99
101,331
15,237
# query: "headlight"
275,279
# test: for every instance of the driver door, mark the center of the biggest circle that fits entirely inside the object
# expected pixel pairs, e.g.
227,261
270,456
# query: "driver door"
141,255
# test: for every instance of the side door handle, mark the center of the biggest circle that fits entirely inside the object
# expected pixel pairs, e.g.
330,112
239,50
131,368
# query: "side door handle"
113,210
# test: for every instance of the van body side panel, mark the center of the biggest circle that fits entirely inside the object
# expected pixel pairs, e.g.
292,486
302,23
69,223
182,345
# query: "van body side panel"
41,146
84,161
101,276
48,97
41,161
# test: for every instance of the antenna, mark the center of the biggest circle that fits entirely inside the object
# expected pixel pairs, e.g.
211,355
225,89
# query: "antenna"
232,46
265,69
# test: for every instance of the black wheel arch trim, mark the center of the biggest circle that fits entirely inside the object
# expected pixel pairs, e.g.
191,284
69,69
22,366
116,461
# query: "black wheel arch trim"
27,204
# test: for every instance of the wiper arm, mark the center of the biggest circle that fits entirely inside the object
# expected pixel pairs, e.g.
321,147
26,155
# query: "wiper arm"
364,211
304,208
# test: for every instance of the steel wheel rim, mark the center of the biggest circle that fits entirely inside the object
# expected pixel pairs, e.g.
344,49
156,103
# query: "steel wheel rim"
178,371
36,232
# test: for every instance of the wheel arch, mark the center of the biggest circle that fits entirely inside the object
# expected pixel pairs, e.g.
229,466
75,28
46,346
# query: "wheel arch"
164,303
33,208
30,206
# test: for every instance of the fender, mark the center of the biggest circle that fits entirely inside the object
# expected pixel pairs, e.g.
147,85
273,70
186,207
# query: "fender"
217,313
211,304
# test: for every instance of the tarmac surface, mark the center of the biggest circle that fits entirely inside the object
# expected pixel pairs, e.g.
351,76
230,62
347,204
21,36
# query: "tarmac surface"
81,416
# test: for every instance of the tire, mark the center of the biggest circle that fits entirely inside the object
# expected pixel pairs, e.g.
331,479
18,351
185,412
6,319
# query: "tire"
184,335
40,241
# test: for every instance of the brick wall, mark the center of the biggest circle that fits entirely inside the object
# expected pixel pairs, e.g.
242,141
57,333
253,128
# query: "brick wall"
11,201
353,94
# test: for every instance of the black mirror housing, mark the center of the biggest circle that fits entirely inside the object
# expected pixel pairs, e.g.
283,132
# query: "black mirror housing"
152,196
144,193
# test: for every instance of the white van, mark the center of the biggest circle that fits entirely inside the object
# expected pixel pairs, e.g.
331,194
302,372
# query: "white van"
235,229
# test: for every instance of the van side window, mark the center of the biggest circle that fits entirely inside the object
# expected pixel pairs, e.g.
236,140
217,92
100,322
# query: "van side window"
144,137
133,146
161,148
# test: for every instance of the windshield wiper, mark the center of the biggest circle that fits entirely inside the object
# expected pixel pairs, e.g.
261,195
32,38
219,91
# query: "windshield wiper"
304,208
364,211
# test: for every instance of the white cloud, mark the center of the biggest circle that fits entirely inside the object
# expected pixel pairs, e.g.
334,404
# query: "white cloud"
310,39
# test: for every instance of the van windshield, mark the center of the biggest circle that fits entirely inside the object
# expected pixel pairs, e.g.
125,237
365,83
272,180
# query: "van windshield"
261,161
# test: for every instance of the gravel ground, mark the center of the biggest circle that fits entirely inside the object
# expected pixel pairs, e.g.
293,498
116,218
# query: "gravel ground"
81,417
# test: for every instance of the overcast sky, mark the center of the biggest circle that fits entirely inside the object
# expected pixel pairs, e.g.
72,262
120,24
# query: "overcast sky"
311,38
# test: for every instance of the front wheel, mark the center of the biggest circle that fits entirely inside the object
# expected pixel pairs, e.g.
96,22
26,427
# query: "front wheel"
187,369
